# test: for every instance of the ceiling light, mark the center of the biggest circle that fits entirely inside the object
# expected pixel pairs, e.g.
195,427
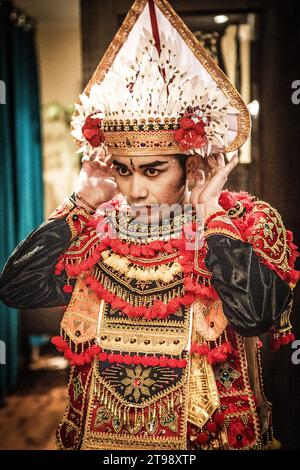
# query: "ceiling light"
221,19
254,108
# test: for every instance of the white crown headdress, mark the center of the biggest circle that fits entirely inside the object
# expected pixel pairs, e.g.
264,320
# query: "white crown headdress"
158,91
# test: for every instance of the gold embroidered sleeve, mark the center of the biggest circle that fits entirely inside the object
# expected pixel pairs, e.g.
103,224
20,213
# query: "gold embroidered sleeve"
75,216
272,242
219,223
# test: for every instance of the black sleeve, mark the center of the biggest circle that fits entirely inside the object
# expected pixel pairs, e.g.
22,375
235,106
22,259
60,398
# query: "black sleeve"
28,279
253,296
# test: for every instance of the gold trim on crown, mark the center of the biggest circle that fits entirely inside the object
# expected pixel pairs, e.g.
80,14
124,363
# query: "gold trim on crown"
128,143
142,124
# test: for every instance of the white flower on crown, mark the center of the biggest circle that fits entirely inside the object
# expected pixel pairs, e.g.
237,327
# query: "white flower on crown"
155,86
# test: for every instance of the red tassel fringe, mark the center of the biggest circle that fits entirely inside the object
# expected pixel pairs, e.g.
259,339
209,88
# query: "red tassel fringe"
214,355
86,357
282,340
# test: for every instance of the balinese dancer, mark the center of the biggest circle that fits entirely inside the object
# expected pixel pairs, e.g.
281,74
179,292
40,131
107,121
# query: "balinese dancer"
166,288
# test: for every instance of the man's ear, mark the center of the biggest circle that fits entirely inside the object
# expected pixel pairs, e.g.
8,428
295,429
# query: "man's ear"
192,165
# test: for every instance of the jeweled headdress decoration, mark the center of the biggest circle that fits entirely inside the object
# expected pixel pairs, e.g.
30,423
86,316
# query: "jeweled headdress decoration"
158,91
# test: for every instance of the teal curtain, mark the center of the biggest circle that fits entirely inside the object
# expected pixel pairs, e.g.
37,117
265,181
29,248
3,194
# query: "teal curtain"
21,195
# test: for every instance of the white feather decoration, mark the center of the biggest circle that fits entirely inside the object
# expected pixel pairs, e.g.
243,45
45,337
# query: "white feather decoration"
157,87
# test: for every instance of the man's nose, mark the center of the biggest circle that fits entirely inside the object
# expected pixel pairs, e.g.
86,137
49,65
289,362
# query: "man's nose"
138,189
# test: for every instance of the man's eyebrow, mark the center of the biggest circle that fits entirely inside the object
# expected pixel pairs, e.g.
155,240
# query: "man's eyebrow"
144,165
115,162
151,164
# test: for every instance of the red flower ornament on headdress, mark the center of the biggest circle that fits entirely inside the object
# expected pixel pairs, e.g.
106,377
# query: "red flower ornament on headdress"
91,131
191,133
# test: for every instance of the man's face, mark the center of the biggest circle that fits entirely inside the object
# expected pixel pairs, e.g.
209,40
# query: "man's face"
149,181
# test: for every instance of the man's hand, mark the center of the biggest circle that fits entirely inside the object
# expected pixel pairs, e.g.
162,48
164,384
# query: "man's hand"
96,183
210,182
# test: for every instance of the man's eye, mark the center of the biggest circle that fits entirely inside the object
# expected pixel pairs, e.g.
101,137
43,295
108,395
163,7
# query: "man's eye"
123,171
152,172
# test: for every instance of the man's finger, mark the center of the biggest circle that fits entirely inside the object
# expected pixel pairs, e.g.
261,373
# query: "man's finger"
233,162
200,177
220,160
200,185
211,161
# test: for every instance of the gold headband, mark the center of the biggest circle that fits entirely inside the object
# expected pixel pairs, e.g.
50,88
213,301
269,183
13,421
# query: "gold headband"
127,143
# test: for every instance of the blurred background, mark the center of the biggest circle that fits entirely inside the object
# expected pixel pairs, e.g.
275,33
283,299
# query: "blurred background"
48,52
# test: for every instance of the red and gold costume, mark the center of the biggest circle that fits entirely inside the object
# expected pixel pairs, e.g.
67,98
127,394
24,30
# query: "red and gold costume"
155,362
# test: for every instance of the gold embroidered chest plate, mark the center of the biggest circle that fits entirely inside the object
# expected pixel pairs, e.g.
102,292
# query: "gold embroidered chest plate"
167,336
